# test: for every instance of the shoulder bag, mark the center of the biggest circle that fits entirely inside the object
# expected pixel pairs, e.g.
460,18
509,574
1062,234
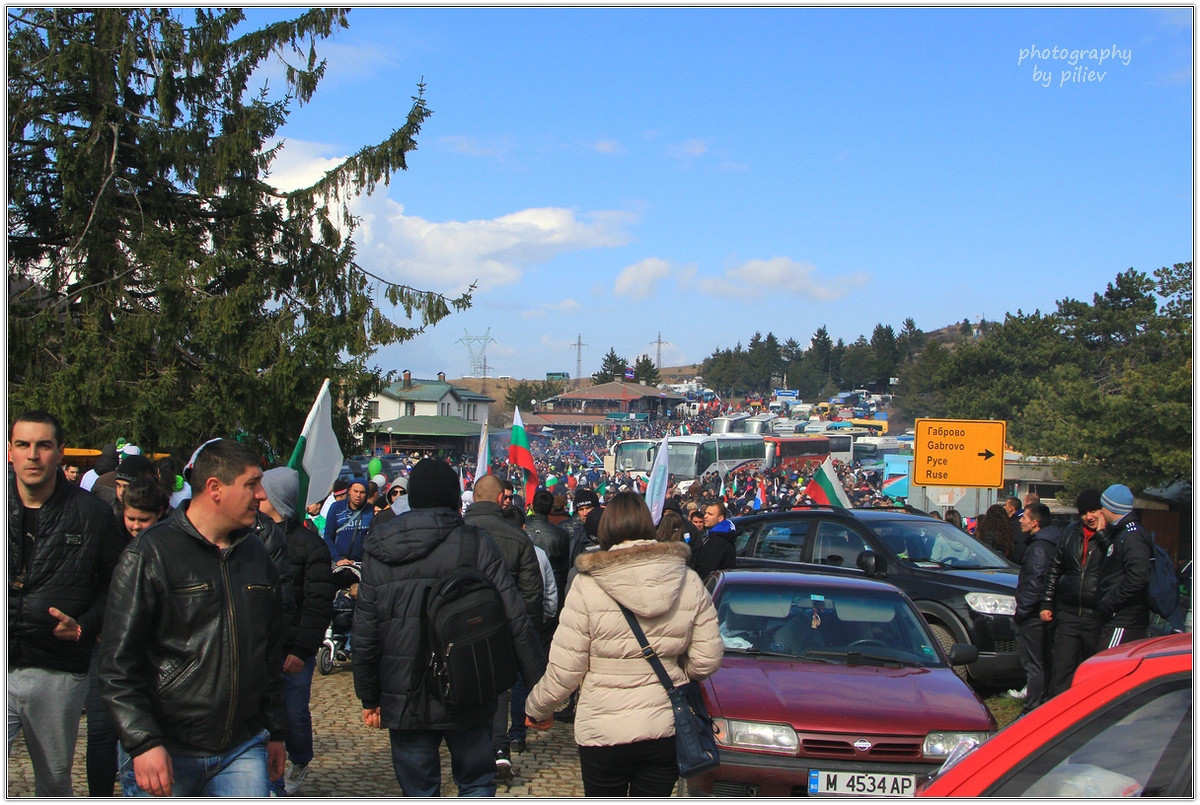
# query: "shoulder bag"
695,739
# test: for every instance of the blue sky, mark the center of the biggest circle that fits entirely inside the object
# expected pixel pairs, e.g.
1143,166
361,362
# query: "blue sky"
613,173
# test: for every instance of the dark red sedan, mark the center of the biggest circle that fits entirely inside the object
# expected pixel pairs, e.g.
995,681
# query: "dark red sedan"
1123,729
831,686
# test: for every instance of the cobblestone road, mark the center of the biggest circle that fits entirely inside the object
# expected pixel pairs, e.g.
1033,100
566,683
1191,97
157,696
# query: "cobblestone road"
354,761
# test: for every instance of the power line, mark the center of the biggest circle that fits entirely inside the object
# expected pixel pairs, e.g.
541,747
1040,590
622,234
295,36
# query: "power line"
477,349
658,354
579,345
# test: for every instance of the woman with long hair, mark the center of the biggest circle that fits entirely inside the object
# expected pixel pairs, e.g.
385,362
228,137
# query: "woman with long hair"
624,726
995,531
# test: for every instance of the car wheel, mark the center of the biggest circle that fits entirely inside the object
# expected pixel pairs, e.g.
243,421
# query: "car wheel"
946,638
324,660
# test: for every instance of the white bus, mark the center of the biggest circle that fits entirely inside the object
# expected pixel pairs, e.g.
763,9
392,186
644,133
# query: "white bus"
691,457
872,449
730,423
759,423
841,442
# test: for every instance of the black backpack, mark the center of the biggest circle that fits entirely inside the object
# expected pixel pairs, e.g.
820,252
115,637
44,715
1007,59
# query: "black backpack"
1162,593
469,652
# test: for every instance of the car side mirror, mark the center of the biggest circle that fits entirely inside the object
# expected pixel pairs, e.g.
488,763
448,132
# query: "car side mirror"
963,653
872,564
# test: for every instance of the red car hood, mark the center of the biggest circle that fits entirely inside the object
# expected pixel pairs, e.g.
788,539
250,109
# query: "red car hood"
815,697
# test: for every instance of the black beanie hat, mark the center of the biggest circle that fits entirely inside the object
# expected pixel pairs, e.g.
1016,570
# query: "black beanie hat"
434,484
1088,501
132,467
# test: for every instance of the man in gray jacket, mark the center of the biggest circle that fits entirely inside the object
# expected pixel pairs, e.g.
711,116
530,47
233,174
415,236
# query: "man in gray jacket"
517,548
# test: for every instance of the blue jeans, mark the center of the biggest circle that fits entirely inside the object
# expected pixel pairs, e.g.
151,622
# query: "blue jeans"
520,692
419,769
297,693
239,772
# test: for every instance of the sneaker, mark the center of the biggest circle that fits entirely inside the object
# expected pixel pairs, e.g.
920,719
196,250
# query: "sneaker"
504,769
1017,694
295,779
517,745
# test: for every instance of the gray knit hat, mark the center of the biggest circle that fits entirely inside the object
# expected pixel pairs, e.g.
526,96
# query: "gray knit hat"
282,486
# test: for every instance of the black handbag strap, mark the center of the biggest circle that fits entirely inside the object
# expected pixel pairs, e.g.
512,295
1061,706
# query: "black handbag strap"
648,650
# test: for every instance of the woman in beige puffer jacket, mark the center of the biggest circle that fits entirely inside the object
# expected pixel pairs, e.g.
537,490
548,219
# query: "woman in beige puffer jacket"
624,725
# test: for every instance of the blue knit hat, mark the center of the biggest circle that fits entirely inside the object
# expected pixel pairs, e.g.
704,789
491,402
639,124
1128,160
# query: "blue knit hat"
1117,499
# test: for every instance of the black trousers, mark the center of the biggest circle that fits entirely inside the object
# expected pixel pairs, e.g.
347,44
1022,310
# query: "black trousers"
1032,645
638,769
1075,639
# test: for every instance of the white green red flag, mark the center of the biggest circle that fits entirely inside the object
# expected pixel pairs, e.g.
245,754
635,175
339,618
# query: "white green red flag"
318,456
656,489
825,488
519,455
483,461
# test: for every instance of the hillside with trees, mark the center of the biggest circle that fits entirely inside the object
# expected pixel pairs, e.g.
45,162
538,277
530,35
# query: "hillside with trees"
1105,385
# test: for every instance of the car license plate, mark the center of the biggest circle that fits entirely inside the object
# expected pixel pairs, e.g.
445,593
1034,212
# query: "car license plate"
861,784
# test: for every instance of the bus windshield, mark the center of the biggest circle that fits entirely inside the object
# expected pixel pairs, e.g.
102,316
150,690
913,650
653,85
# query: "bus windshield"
681,461
634,456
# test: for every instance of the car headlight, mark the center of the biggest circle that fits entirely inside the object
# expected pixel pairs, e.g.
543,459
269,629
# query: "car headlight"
939,744
992,603
756,735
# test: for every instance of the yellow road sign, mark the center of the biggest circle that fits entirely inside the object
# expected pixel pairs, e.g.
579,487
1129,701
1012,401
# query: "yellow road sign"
959,452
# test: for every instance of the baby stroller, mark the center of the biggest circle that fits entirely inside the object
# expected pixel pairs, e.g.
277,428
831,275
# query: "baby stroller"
335,651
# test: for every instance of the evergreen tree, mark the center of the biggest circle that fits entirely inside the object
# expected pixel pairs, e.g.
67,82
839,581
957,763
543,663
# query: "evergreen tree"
644,370
611,368
159,287
885,356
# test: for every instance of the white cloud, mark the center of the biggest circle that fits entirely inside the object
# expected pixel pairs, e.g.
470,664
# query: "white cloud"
607,147
639,280
477,148
564,306
301,164
689,149
451,255
755,278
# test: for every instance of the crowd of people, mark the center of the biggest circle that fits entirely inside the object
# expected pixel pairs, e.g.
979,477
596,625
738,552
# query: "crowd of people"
183,608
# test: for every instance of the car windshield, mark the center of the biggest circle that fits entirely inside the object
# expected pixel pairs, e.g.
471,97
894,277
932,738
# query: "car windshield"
935,544
817,623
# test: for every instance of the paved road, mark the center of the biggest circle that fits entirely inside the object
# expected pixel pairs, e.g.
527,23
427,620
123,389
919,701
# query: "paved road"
352,760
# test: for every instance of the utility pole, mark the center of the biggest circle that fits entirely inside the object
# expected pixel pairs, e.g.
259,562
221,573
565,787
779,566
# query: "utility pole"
658,354
477,349
579,345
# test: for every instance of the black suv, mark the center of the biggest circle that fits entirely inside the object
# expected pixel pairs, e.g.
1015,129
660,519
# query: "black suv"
966,591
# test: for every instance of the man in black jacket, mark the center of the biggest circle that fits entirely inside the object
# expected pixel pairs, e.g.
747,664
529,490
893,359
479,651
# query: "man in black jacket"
191,658
1041,542
313,589
403,559
1069,595
550,538
1124,572
63,543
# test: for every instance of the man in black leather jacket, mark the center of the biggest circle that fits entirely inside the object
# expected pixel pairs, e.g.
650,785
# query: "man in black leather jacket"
1069,594
1032,645
550,538
192,650
63,543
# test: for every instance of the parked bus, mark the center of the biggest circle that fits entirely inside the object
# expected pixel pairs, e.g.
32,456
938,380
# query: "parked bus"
730,423
841,442
799,452
759,423
691,457
872,449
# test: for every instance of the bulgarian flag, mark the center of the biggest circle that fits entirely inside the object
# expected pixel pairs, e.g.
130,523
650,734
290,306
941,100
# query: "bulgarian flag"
318,456
483,461
825,488
519,455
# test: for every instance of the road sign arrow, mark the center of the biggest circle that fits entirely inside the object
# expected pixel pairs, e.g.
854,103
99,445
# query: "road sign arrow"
986,454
